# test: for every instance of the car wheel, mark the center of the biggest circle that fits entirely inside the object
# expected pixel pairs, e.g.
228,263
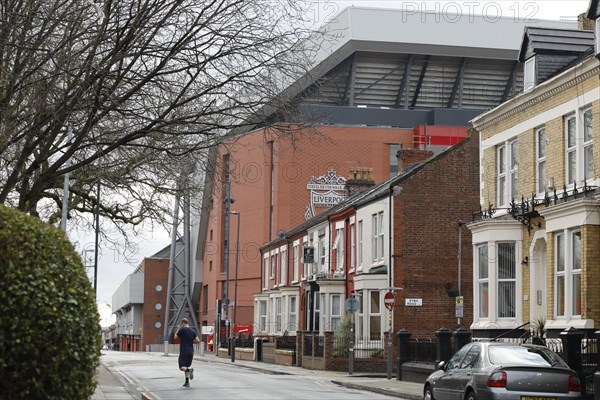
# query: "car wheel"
471,396
428,393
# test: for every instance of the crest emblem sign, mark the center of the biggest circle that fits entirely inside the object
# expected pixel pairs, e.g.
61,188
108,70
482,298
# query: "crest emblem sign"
325,191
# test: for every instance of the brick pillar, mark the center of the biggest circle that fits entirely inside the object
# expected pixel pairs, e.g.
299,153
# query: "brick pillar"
461,337
444,345
403,351
571,339
328,350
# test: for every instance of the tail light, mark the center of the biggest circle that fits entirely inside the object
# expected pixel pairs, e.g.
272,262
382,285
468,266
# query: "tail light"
498,379
574,385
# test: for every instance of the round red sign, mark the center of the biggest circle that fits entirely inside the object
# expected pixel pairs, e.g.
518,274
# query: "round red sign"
388,300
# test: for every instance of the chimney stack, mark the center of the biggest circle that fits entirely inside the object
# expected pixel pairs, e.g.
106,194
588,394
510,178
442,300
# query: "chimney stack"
585,24
408,157
361,178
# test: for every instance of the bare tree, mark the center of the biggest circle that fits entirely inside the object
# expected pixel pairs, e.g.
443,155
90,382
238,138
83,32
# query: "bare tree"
144,86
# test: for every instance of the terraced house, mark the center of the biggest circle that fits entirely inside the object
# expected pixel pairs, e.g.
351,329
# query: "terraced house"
536,242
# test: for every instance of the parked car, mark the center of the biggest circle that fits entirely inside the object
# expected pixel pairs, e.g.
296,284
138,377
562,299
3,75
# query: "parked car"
503,371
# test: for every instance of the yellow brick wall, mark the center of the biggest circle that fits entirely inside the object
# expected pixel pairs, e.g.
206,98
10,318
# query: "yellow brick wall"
590,279
555,156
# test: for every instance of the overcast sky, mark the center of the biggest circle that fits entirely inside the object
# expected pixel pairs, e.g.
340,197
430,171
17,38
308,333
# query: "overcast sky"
114,265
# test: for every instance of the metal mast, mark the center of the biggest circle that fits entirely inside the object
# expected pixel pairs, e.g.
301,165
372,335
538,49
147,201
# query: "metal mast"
179,298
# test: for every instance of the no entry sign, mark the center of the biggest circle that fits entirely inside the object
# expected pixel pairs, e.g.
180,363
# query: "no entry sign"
388,300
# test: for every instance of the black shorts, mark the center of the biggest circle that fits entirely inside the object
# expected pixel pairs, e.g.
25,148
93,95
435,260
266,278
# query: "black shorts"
185,359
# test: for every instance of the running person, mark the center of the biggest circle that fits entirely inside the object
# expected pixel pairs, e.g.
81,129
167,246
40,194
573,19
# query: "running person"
187,338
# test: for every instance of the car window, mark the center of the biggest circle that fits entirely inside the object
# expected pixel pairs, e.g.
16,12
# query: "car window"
522,355
456,359
472,358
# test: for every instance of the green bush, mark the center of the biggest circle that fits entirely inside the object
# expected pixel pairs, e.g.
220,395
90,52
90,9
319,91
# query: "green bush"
342,337
49,323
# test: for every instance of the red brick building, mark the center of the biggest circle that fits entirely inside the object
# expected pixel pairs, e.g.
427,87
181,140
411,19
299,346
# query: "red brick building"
402,235
270,178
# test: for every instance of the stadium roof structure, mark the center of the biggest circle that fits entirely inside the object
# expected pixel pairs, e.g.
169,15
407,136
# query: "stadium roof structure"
389,67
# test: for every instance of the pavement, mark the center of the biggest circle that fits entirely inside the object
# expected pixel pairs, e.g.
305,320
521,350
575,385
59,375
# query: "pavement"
110,387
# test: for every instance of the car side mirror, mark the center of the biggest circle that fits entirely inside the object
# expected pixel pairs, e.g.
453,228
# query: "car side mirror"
441,365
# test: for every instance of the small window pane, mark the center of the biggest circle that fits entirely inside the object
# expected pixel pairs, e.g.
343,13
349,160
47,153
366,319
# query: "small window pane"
571,136
576,250
560,295
541,139
483,262
587,125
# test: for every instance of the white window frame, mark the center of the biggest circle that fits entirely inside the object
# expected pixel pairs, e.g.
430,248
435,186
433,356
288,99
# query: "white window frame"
283,267
377,242
292,314
570,129
296,251
339,250
273,265
266,259
483,281
360,244
507,172
374,313
352,247
579,147
317,326
541,142
360,329
576,253
322,253
336,311
510,280
529,74
262,315
567,267
278,314
597,37
588,143
559,275
305,266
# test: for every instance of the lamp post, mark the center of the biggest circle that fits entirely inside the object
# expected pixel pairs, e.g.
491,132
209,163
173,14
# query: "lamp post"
237,256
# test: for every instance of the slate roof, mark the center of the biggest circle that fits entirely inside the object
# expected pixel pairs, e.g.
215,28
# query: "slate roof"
593,10
539,40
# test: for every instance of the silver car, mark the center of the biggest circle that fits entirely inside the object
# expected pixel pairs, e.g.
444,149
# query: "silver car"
503,371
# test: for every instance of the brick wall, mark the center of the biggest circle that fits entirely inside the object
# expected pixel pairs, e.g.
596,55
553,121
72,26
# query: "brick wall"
590,285
155,273
426,214
555,157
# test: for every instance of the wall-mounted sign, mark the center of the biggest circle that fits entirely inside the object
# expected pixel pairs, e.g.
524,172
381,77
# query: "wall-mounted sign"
325,191
413,302
308,256
460,301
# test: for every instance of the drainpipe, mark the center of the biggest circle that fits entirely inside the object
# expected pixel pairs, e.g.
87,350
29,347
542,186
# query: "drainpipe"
346,254
391,233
